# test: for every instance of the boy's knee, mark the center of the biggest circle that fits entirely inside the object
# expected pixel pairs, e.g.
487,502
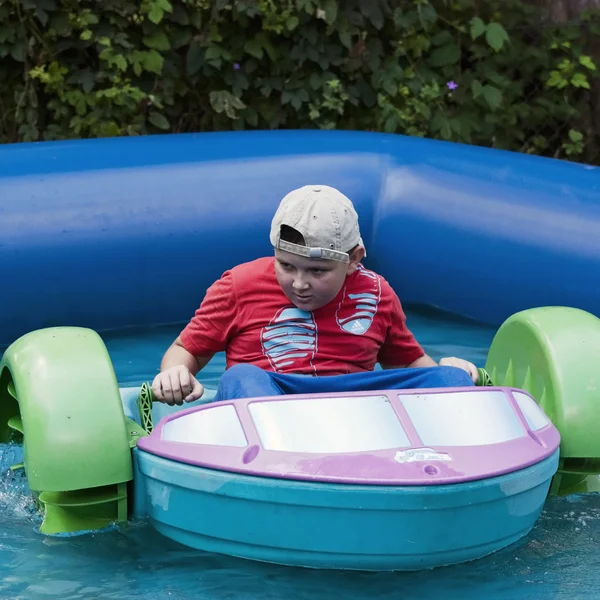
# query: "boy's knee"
242,369
245,381
454,377
239,373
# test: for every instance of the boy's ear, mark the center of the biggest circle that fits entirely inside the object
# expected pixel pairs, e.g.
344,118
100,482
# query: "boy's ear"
356,255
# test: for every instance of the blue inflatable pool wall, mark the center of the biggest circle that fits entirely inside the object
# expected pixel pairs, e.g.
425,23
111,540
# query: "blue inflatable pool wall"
122,232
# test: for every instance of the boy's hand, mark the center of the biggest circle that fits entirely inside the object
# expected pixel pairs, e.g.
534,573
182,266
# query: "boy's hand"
176,385
465,365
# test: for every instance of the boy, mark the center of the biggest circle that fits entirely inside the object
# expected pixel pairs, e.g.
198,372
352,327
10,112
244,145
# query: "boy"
312,309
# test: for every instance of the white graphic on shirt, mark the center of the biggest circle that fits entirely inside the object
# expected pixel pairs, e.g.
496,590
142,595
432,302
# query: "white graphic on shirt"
290,339
357,311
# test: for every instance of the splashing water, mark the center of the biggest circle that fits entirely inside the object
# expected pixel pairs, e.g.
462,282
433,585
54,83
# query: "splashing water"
557,560
15,496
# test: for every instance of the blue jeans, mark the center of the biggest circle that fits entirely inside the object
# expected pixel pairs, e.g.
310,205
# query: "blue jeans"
248,381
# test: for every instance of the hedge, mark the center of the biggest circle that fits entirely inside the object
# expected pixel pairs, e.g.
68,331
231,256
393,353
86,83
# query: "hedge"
490,73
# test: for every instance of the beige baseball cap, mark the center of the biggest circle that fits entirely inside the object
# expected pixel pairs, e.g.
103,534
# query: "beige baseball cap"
325,218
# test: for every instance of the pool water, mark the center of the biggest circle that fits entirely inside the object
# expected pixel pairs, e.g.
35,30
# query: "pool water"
559,559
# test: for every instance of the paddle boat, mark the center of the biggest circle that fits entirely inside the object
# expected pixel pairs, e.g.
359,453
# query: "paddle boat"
382,480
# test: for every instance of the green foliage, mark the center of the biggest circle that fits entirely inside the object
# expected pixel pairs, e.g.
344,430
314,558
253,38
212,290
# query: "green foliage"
488,73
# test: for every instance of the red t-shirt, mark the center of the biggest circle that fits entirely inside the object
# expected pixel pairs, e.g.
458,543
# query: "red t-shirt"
246,314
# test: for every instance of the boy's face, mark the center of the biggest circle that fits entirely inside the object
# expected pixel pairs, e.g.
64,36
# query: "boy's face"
311,283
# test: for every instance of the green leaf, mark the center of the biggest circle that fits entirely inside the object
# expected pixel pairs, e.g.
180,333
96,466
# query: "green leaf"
240,84
315,81
345,38
181,37
33,98
18,51
391,124
80,105
153,62
42,16
180,15
225,101
374,13
251,116
156,14
390,87
580,80
492,95
265,42
476,88
441,125
587,62
331,10
85,35
478,28
445,55
291,23
194,59
296,101
456,126
446,131
254,48
496,36
196,18
495,77
564,64
442,38
120,61
158,10
6,34
157,40
87,80
90,18
213,52
158,120
286,97
438,121
46,4
424,110
427,13
575,136
556,80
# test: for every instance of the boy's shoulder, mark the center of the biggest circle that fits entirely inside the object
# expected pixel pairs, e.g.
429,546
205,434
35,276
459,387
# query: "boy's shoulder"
254,271
258,265
362,274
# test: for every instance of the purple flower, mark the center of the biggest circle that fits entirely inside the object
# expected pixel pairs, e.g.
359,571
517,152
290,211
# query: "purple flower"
236,66
452,85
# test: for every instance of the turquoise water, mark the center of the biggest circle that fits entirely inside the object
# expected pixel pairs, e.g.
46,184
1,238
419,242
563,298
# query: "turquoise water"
559,559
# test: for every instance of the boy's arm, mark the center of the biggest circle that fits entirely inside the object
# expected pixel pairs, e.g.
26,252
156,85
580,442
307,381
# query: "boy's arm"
401,346
450,361
207,333
177,355
422,361
176,381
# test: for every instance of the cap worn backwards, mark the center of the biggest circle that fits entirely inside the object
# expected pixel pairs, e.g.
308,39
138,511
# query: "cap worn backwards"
324,217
